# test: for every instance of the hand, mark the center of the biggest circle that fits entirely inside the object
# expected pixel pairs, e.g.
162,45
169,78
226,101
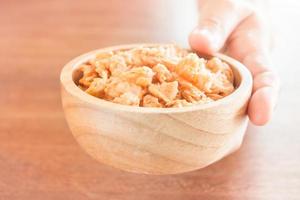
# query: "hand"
237,27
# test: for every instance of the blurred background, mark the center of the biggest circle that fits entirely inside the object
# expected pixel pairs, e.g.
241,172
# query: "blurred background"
39,157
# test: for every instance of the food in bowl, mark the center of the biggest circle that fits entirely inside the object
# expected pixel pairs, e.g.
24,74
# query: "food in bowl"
155,140
161,76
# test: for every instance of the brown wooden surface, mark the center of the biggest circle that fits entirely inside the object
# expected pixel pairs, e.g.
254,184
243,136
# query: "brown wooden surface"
39,158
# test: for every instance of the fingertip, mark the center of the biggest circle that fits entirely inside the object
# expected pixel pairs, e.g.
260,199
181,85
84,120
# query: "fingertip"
261,106
202,41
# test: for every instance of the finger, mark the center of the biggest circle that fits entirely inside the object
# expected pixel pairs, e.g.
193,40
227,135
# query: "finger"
218,19
264,98
249,44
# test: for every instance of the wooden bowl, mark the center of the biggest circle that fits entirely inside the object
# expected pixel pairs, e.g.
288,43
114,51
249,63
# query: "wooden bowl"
156,140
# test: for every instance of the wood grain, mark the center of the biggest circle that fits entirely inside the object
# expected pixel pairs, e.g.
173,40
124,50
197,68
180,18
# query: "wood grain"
39,158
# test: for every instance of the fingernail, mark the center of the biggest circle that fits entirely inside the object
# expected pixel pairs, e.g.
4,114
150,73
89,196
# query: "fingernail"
213,37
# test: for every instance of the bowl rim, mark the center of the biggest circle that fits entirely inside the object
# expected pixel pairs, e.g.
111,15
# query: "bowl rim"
66,79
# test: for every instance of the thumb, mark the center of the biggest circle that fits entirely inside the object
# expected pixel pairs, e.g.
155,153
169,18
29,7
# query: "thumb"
218,18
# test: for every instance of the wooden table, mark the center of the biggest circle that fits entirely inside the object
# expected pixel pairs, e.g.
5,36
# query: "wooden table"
39,159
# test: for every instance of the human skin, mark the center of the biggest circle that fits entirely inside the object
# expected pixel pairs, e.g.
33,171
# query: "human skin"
238,28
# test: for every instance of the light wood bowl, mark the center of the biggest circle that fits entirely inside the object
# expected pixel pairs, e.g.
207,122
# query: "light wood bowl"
156,140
